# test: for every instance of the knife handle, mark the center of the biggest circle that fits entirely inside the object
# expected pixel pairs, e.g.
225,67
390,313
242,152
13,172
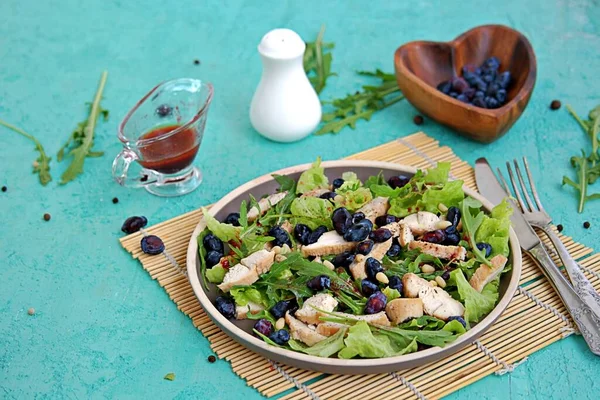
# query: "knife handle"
587,322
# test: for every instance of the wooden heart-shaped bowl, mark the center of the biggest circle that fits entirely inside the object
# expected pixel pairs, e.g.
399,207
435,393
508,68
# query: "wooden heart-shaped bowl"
421,66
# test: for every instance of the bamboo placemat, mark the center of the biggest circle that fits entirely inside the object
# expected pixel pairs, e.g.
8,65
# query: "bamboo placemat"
534,319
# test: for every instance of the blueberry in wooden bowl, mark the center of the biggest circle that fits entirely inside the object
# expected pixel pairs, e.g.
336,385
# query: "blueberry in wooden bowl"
423,66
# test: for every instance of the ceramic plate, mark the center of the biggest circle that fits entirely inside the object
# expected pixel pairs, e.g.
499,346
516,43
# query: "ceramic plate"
239,330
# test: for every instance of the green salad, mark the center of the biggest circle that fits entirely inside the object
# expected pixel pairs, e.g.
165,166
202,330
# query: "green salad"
354,269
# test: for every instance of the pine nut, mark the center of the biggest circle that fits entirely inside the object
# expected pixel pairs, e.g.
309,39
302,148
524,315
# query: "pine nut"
359,258
280,258
328,264
280,324
318,260
442,207
285,249
433,283
440,281
427,269
381,277
276,249
443,225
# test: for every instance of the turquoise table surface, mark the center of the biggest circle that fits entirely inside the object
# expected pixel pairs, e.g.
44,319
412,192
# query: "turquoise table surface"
102,327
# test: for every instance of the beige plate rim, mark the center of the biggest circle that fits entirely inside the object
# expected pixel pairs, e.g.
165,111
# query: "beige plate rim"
334,365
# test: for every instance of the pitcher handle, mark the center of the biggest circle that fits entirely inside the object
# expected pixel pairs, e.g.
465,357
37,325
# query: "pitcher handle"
120,170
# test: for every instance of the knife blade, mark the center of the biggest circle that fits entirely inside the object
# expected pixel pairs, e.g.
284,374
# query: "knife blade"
491,189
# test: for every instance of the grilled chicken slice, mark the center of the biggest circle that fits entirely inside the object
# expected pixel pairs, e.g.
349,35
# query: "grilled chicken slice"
485,274
421,222
375,208
401,310
260,261
329,243
322,301
315,192
412,284
331,328
265,205
357,268
401,231
436,301
439,251
238,275
241,312
302,332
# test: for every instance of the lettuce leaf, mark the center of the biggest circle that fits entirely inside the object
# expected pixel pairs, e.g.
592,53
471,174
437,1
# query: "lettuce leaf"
405,205
438,174
378,179
324,348
263,314
216,274
225,232
351,182
455,327
353,199
364,343
451,194
311,211
387,191
244,294
471,224
495,228
390,293
312,178
477,305
429,338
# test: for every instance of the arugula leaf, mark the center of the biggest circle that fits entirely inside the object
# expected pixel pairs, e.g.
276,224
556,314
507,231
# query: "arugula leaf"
431,338
477,304
169,377
471,225
325,348
41,166
80,143
312,178
356,306
425,322
262,314
317,63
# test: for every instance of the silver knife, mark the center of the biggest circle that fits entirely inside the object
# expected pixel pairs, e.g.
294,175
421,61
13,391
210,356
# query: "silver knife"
587,322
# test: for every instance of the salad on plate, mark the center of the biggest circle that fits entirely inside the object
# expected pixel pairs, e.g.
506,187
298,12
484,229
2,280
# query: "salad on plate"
350,269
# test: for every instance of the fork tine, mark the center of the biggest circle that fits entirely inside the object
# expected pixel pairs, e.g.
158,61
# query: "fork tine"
533,190
515,187
503,181
524,186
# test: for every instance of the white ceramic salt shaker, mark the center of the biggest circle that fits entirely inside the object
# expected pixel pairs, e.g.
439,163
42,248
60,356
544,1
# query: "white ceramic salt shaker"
285,107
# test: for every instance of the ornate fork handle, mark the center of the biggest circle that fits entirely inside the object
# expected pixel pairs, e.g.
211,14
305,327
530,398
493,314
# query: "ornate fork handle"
583,287
587,322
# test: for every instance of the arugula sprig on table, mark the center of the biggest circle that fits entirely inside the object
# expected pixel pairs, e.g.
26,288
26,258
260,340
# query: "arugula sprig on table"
586,166
317,62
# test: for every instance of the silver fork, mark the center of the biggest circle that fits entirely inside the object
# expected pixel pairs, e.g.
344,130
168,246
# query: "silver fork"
540,218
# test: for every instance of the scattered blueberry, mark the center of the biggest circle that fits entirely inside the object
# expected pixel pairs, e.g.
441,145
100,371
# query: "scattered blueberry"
213,258
359,231
320,282
358,216
376,303
211,242
280,337
301,233
233,219
395,283
555,105
134,224
486,247
152,245
453,215
164,110
459,319
343,259
281,236
316,234
337,183
418,120
386,219
364,247
368,288
281,307
342,220
225,306
264,326
380,235
372,267
394,250
398,181
328,196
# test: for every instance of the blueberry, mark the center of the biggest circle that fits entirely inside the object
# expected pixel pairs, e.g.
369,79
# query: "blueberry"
386,219
211,242
394,250
320,282
343,259
358,216
368,288
398,181
364,247
491,102
280,337
302,232
468,69
459,85
470,77
164,110
359,231
492,89
396,283
446,275
380,235
264,326
328,196
459,319
489,77
281,307
437,237
337,183
281,236
233,219
342,220
479,93
480,84
213,258
479,102
316,234
470,93
491,64
501,96
452,236
152,245
445,87
225,306
453,215
134,224
376,303
485,247
372,267
462,97
453,95
503,79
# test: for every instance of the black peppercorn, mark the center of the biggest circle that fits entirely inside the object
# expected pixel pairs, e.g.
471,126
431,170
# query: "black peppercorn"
418,120
197,62
115,200
212,359
4,188
555,105
586,224
559,228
